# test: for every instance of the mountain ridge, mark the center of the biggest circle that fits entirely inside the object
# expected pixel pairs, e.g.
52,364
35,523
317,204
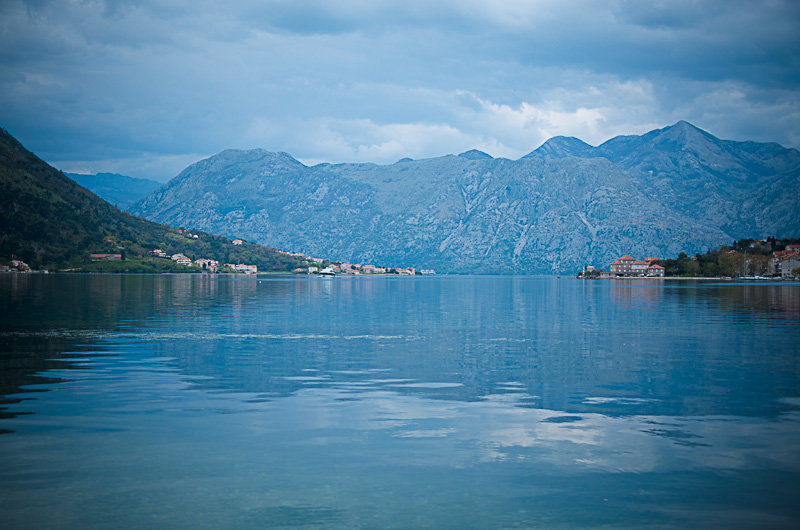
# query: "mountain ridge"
673,189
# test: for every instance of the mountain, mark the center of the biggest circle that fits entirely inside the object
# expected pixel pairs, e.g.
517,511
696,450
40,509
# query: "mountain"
747,189
565,205
49,221
562,147
117,189
474,154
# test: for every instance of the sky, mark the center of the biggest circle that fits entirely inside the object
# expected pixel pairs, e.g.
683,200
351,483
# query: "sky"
145,88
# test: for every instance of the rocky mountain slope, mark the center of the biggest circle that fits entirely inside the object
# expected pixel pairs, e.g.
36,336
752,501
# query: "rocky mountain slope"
560,207
116,189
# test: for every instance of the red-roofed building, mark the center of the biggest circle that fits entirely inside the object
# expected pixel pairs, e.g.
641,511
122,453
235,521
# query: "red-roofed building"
623,265
639,267
109,257
628,266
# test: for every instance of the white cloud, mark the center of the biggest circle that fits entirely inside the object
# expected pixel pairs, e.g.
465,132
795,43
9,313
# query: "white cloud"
360,140
594,113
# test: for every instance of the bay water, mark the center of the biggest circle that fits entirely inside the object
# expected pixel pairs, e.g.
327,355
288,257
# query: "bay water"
180,401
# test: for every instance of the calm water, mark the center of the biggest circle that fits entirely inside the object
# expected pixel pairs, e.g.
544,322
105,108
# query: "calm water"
460,402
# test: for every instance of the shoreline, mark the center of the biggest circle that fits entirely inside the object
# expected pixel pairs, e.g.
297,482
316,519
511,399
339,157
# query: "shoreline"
293,274
694,278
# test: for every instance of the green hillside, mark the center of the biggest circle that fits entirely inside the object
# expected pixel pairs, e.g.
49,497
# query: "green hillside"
50,222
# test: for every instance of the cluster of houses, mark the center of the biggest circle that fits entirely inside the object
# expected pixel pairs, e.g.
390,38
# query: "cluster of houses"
299,255
785,261
206,264
16,266
315,265
628,266
350,268
188,234
356,269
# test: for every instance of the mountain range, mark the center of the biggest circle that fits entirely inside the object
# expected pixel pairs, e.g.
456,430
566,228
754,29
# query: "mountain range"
562,206
120,190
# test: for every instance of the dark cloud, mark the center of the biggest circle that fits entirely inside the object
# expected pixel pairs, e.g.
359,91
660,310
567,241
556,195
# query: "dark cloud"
145,81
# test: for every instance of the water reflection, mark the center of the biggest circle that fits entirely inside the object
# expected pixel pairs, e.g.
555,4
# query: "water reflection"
606,347
377,402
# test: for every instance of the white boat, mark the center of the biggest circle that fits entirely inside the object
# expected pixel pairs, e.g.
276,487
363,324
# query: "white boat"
327,271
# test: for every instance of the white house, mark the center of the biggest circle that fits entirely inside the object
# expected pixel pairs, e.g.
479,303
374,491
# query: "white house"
789,263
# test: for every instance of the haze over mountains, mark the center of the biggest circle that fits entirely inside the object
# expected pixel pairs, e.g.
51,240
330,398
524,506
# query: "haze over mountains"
562,206
119,190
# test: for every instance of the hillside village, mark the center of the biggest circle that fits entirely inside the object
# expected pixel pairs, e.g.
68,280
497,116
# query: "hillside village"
311,265
207,264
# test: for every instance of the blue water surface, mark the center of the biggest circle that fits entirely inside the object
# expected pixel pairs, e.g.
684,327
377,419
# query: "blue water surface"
397,402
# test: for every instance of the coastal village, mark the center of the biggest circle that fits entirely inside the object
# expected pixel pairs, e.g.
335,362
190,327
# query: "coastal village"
208,264
323,266
313,265
782,264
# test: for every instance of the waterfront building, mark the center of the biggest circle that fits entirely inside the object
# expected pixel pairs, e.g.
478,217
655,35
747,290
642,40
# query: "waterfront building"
788,264
622,266
628,266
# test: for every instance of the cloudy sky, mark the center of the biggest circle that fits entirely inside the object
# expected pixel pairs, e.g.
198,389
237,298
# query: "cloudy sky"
146,87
